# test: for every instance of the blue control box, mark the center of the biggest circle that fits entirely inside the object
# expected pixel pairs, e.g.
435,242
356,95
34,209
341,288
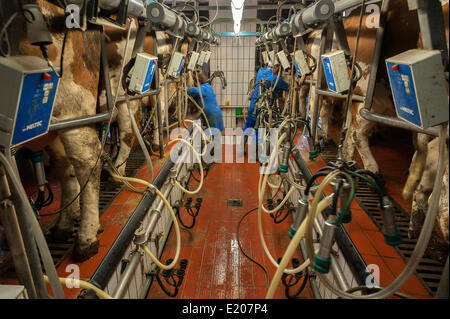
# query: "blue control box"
28,97
336,71
418,87
144,69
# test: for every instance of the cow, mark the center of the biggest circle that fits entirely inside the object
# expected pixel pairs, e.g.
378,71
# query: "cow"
419,187
74,152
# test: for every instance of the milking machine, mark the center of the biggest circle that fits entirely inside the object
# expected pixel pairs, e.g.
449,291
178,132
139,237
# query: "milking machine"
409,94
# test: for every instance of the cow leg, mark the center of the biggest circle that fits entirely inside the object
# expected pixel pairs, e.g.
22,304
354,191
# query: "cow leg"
83,148
302,95
70,188
362,134
349,147
443,216
417,165
423,191
127,134
325,115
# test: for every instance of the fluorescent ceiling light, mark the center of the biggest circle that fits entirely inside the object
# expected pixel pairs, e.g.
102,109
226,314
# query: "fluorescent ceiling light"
237,7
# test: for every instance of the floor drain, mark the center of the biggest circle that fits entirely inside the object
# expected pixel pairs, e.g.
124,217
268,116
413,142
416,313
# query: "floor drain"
235,202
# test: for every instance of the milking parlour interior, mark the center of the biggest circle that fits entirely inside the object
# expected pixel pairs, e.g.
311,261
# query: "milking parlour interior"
224,149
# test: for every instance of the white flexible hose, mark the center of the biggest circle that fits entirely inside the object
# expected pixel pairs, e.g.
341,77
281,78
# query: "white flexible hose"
199,163
172,214
260,229
83,284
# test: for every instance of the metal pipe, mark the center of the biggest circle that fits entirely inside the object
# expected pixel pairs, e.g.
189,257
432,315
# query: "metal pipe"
340,96
325,45
395,122
81,121
376,55
312,279
121,98
158,103
343,5
26,229
8,219
127,275
335,267
105,68
442,292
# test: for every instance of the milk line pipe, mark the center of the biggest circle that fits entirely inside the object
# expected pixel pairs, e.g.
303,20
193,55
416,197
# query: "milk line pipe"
110,262
396,122
125,281
169,207
154,217
355,97
172,214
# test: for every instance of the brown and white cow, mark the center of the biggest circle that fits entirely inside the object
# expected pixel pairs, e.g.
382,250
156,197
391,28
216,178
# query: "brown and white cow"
74,152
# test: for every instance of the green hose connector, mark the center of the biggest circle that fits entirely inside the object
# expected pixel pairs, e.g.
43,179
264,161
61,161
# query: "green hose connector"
283,168
104,127
321,265
392,239
346,217
37,157
313,154
292,232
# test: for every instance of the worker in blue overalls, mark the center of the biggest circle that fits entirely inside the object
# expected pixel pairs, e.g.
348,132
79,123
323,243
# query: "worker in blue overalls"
211,108
265,79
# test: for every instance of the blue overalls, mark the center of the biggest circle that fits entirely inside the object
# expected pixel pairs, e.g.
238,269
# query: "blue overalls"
212,110
263,74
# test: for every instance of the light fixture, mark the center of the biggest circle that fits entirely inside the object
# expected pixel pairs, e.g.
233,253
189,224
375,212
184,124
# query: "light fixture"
237,7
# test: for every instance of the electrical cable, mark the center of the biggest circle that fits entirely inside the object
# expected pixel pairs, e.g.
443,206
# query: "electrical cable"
266,273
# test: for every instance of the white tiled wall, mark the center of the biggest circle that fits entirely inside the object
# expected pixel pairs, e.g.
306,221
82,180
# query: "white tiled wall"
236,58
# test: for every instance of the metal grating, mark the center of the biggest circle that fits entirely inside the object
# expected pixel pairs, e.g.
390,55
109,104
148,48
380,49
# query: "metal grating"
428,271
60,251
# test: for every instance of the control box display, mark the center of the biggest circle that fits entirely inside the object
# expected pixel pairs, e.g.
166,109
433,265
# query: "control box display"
144,69
418,87
336,71
28,92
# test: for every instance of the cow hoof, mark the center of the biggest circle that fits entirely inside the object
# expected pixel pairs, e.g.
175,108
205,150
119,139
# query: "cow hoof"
61,235
84,252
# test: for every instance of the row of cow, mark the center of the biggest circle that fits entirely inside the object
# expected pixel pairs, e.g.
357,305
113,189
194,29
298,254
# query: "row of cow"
74,153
